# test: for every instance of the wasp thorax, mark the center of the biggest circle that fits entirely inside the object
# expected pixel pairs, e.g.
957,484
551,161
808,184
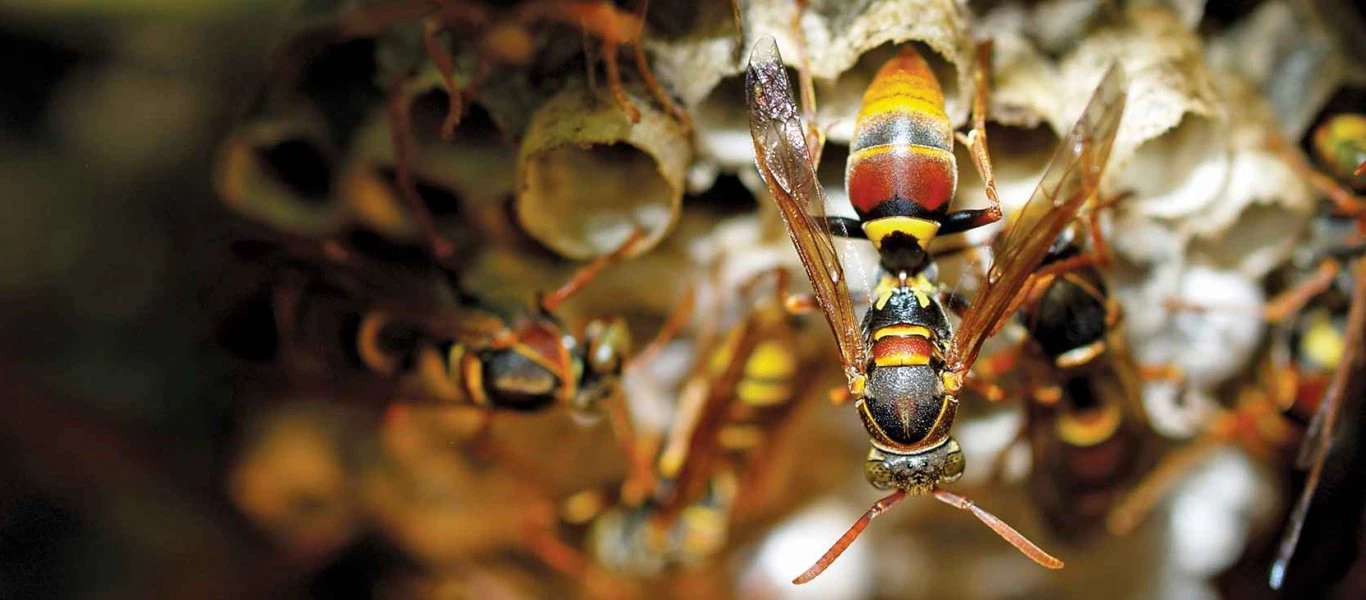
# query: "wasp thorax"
917,473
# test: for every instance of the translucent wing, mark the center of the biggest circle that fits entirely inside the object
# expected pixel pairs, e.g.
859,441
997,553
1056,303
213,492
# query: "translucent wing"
1319,439
785,163
1071,177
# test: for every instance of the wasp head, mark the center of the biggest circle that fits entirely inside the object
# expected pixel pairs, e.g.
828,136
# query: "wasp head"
606,344
919,473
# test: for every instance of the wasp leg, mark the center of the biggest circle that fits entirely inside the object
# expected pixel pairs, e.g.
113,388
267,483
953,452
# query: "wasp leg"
640,478
1282,306
1291,301
648,75
963,220
550,549
609,60
1343,199
677,320
994,366
1099,247
735,11
794,304
541,542
596,19
976,141
590,71
657,90
991,391
585,274
781,285
1139,502
815,137
445,65
401,134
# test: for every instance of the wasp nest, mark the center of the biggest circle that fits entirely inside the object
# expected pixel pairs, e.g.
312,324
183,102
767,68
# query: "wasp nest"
508,146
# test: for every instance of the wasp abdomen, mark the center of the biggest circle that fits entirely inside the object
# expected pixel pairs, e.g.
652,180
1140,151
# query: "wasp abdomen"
901,163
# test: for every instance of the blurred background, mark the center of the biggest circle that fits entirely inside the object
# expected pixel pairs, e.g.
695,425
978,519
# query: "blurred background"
112,290
160,441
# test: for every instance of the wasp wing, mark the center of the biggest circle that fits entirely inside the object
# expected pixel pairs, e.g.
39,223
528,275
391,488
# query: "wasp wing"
784,161
1071,177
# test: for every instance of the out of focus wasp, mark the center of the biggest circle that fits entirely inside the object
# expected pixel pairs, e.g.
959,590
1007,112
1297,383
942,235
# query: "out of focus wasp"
905,365
453,353
705,473
1084,417
503,36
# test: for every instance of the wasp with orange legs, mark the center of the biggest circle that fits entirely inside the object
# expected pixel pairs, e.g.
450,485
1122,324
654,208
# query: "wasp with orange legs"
707,472
1084,419
444,350
905,364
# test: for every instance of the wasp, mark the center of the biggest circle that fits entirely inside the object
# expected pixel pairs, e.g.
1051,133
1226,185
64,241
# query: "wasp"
1084,419
904,363
446,350
707,471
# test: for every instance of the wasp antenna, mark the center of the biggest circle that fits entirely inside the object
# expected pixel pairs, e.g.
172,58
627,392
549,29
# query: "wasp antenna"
1008,533
879,507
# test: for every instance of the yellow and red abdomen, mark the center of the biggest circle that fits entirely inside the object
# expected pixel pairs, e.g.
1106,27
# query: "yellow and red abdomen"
901,159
